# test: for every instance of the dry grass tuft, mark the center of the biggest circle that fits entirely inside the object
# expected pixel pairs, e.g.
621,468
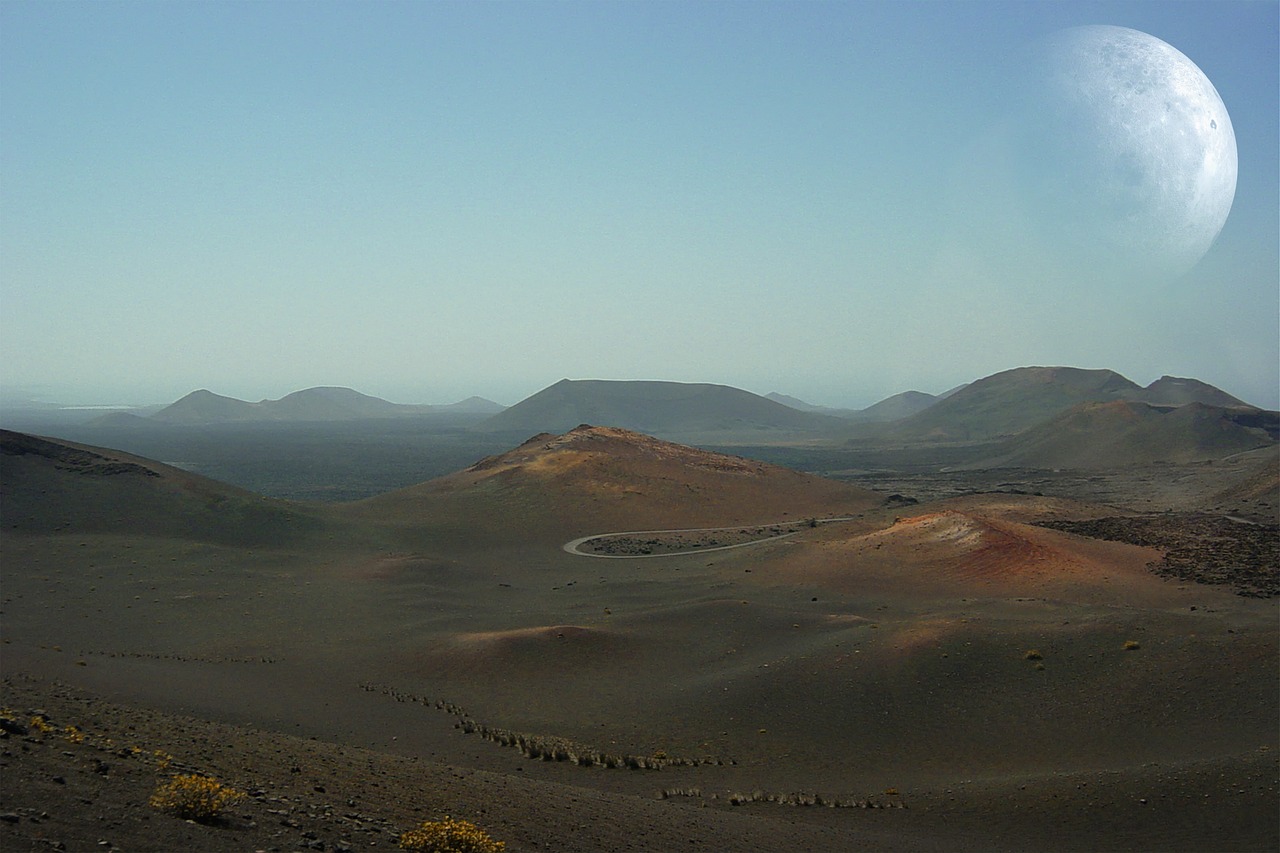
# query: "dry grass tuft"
450,836
192,797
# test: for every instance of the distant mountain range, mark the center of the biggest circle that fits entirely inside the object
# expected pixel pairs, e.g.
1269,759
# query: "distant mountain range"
1126,432
889,409
312,404
1046,416
1007,403
996,407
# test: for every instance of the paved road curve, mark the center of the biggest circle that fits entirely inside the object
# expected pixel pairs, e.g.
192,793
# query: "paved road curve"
573,547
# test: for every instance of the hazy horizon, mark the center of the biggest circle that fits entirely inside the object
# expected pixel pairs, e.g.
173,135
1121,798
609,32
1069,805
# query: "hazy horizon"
426,202
18,398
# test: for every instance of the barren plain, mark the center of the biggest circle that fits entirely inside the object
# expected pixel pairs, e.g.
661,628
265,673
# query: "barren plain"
949,674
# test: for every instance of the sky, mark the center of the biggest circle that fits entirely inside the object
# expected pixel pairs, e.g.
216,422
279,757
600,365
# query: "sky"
428,201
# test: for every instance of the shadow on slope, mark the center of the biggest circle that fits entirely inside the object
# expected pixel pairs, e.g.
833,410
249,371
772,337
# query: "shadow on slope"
1126,433
54,486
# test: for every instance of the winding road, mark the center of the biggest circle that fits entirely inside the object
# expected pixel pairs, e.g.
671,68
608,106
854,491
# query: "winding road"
573,547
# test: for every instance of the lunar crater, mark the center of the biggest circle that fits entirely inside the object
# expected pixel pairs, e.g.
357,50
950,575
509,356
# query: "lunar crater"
1128,153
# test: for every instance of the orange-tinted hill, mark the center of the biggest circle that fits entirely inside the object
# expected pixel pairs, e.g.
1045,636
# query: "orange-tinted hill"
604,479
51,486
977,546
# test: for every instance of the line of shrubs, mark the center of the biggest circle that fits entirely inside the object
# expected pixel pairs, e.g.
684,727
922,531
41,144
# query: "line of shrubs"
179,658
814,800
548,748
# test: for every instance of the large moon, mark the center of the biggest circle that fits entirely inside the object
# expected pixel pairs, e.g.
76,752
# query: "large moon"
1129,154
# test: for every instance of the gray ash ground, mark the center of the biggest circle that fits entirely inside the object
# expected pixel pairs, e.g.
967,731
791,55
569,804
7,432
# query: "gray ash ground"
81,780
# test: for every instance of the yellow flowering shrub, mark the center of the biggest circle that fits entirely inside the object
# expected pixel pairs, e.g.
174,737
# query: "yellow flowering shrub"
450,836
193,797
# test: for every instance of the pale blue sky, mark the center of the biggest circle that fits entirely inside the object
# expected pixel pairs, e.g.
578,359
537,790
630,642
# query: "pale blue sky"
426,201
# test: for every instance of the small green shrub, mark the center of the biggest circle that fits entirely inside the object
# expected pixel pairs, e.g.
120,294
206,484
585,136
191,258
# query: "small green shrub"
193,797
450,836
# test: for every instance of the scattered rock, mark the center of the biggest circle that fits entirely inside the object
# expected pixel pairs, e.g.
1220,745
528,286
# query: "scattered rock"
1206,549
